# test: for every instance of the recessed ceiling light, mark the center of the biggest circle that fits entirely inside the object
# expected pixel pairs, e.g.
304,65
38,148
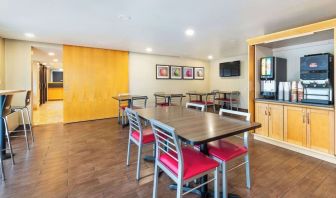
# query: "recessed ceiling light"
51,54
210,57
55,60
148,49
190,32
124,17
29,35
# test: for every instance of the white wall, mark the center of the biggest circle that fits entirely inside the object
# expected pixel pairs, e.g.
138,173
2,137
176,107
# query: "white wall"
142,75
293,54
239,83
2,63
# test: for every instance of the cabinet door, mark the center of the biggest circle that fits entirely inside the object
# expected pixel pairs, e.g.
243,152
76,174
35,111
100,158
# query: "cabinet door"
320,130
295,125
276,122
262,117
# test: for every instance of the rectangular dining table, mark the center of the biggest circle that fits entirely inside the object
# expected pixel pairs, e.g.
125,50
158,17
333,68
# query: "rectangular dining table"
3,95
198,128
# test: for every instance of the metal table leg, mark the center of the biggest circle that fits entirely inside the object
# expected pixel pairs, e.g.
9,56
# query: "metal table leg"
2,130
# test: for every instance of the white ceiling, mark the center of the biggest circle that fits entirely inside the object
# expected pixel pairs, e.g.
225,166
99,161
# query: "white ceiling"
221,26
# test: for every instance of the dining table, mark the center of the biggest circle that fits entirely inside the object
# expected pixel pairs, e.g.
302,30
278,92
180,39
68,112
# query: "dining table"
168,96
198,128
3,96
198,94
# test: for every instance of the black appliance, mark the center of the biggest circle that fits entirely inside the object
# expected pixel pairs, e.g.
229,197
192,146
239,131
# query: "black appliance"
272,71
229,69
316,74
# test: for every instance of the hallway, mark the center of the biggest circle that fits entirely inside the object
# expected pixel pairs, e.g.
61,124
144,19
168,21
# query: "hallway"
50,112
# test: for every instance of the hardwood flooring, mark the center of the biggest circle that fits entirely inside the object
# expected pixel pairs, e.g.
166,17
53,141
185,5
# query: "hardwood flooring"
88,159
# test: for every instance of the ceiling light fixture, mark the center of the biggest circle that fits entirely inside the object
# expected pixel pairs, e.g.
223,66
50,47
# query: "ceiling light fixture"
190,32
29,35
55,60
51,54
148,49
210,57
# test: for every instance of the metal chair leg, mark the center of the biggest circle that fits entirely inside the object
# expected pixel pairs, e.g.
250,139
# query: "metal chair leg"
128,151
247,169
224,180
156,178
139,162
30,125
179,190
8,140
24,129
216,191
2,167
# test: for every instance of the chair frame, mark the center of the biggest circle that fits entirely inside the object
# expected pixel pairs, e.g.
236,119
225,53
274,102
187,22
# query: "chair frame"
196,105
177,96
232,101
171,140
135,125
246,156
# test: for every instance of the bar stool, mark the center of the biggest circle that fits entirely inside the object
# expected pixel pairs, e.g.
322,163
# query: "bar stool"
224,151
122,107
7,110
24,109
181,163
138,136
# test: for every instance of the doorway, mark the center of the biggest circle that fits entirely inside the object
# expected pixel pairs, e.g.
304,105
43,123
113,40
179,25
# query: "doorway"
47,84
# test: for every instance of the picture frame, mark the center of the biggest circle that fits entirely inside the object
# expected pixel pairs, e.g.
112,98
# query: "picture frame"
162,71
188,73
199,73
176,72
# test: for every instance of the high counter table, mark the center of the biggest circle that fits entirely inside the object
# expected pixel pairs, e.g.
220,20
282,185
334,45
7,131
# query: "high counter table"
3,96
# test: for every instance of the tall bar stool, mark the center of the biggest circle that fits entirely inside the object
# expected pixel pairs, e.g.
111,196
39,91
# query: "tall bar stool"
224,151
24,109
138,136
7,110
121,109
182,164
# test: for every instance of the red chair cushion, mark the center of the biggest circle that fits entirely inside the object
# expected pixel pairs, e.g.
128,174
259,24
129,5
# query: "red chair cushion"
227,99
196,101
148,136
195,162
204,102
225,150
123,107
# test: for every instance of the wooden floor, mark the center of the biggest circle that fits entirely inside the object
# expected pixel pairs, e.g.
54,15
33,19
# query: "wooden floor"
88,160
49,113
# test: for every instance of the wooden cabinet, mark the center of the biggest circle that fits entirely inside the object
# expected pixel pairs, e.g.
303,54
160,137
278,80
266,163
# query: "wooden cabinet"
261,116
320,130
295,125
276,121
270,117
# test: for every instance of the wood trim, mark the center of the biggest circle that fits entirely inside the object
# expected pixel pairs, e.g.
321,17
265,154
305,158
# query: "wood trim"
290,33
334,132
297,105
251,74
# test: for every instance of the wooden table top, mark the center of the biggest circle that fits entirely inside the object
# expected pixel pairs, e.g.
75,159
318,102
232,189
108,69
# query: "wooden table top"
167,95
199,93
10,92
126,97
227,92
197,127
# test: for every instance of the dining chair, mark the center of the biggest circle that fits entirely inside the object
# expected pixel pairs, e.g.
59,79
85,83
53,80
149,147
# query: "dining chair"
121,108
194,98
232,100
181,163
137,136
201,107
160,100
25,110
139,102
176,100
224,151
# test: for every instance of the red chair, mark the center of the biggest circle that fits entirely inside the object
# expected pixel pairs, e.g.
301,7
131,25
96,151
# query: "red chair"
181,163
209,101
224,151
138,136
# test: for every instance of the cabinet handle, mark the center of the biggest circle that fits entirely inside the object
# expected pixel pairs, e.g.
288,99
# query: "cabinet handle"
303,118
266,111
308,118
269,111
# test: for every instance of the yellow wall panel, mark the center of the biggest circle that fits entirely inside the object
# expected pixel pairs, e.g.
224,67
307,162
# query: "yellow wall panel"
91,77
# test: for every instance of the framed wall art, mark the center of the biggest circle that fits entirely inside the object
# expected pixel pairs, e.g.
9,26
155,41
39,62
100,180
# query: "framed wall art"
199,73
162,72
176,72
188,73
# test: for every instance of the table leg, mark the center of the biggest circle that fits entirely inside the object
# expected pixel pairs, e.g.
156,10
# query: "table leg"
2,131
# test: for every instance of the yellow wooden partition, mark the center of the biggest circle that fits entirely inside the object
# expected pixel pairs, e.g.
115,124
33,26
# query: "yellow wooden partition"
91,77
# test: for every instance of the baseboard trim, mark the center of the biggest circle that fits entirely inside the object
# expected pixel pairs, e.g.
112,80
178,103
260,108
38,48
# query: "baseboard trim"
306,151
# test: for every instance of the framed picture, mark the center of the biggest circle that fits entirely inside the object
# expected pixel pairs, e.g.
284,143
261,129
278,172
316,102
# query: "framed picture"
199,73
188,73
162,72
176,72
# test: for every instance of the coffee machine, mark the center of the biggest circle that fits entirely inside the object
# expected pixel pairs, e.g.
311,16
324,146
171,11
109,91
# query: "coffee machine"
316,74
272,71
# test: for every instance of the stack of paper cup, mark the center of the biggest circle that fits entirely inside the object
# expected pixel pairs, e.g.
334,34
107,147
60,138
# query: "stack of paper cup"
287,88
281,91
294,92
